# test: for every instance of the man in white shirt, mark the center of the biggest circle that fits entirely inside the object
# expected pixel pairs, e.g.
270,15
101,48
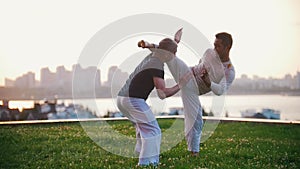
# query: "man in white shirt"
214,72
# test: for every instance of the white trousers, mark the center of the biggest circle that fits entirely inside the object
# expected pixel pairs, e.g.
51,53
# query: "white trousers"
148,133
191,104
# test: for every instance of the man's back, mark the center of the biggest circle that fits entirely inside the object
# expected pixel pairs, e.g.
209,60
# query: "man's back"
140,82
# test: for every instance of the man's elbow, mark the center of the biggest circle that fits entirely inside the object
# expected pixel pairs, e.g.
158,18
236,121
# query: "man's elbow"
219,92
218,89
161,94
162,97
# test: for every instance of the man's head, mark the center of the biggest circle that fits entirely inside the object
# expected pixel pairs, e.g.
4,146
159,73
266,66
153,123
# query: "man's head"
223,44
167,49
169,45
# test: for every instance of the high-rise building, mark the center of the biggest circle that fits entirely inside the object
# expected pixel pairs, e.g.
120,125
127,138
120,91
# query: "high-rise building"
86,79
47,78
9,82
116,77
298,80
25,81
111,72
63,77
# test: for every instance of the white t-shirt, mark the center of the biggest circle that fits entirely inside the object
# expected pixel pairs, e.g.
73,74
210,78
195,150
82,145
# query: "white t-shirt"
220,74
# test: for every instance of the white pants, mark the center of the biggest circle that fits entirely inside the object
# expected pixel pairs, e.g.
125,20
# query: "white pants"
191,104
148,133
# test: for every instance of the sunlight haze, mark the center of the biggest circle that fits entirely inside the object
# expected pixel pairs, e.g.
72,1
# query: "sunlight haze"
37,34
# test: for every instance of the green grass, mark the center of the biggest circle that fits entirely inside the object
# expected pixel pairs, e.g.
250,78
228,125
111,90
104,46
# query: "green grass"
67,145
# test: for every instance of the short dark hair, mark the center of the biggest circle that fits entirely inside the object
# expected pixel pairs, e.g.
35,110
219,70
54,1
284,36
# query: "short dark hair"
168,45
226,39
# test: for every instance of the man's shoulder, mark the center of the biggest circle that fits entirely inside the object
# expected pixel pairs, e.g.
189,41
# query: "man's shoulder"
155,62
230,71
229,66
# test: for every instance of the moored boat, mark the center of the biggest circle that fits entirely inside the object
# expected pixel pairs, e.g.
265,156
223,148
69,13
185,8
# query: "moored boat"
266,113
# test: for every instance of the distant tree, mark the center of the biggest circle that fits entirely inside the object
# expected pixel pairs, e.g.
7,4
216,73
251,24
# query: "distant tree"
204,113
226,114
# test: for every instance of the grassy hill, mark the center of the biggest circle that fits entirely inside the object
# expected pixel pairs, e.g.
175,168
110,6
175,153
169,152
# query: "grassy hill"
232,145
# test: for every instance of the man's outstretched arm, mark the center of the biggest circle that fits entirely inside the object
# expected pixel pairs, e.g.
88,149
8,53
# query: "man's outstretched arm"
145,44
164,92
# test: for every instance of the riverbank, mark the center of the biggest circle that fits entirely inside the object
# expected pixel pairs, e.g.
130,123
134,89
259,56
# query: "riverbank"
233,105
13,93
232,145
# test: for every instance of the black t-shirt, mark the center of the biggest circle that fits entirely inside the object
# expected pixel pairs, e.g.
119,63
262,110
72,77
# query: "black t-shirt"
140,82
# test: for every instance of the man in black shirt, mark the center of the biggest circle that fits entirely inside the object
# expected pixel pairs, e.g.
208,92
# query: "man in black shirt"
133,95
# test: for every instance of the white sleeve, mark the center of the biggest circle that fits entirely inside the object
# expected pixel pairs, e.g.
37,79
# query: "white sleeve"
224,84
155,47
219,88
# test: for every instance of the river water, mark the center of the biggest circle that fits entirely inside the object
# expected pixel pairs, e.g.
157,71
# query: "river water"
232,104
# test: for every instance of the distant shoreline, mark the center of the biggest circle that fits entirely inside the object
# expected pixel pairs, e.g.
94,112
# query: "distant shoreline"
105,92
70,97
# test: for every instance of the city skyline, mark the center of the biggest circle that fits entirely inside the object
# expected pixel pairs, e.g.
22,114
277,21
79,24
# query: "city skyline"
88,83
37,34
61,72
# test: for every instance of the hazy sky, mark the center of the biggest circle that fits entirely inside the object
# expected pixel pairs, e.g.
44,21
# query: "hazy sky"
36,34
